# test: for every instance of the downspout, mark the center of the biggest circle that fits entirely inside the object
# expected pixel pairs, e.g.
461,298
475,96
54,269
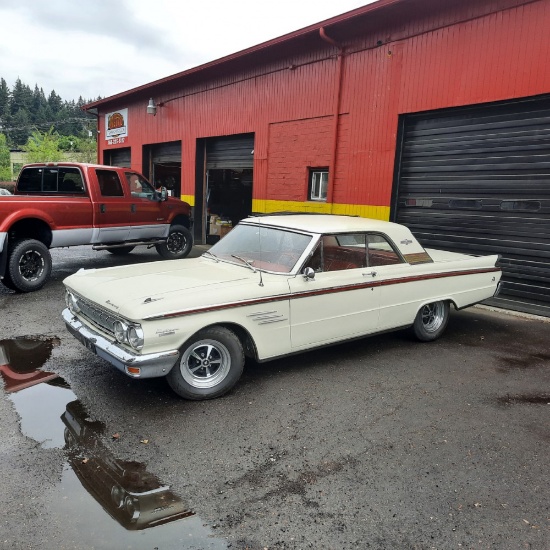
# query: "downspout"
336,110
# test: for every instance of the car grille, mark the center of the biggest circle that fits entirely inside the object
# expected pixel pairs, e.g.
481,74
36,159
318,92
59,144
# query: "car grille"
96,315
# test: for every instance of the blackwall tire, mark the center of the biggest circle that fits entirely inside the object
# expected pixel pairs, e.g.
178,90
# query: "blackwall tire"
177,245
431,321
210,364
29,265
121,251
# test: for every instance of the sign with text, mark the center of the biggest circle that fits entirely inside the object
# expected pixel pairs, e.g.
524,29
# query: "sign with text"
116,126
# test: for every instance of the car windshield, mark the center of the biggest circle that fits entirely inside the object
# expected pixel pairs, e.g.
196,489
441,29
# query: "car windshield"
264,248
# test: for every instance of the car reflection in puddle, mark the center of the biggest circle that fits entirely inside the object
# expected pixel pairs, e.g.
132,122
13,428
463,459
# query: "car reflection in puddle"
51,414
126,490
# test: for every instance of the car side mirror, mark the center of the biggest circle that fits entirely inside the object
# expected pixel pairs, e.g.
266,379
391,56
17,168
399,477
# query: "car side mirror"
162,194
309,274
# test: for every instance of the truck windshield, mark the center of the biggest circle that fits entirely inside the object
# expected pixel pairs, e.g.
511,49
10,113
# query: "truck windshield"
263,248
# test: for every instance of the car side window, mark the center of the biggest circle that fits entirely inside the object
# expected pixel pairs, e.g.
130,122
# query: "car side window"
381,252
109,183
339,252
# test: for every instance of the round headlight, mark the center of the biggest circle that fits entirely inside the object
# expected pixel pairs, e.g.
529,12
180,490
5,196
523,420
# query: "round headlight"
72,302
121,332
135,337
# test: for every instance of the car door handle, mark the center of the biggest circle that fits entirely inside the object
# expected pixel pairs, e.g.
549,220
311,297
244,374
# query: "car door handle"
370,274
133,208
102,208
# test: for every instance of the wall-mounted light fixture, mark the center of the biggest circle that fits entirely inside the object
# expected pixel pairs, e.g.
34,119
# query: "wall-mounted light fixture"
152,107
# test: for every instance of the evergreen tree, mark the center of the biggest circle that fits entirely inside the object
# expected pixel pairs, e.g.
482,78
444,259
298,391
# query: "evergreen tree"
4,103
5,165
23,110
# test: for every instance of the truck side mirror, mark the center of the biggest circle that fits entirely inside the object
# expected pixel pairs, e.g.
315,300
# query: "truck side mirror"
162,194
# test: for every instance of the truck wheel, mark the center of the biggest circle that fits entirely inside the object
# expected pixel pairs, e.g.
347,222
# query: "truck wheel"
122,251
29,265
177,245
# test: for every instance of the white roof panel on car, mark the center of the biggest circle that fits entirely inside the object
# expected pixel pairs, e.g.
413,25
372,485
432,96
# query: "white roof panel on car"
324,223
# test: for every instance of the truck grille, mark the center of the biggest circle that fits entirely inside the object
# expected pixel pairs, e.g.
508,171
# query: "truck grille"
96,315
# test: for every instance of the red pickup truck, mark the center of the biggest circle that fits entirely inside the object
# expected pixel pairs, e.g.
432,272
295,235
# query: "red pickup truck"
68,204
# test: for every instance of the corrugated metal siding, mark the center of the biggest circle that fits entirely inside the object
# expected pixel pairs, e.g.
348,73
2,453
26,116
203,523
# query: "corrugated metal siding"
477,181
118,157
230,152
166,152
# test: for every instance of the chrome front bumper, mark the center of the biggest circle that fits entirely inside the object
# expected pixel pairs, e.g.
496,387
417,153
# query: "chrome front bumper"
152,365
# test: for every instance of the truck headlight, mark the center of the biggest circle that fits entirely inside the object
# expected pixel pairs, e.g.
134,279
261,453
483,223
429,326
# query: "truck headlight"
72,302
121,332
135,337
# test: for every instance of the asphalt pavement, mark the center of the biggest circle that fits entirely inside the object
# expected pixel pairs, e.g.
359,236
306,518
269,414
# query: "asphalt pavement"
382,443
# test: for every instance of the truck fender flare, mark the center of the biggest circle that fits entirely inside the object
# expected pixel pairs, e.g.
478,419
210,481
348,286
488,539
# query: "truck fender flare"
28,213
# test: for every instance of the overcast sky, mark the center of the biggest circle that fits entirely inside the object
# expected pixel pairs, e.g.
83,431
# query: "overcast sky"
102,47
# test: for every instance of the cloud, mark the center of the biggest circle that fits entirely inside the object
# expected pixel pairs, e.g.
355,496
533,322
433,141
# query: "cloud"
103,47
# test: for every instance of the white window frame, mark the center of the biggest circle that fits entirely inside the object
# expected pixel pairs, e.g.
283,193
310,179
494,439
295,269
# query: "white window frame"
318,184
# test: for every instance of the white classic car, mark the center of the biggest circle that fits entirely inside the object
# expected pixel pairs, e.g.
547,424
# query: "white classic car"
273,286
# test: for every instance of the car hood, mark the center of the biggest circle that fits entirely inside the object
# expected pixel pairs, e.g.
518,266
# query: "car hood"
146,290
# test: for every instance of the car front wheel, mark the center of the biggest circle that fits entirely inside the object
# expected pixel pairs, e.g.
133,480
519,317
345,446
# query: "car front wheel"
211,363
431,321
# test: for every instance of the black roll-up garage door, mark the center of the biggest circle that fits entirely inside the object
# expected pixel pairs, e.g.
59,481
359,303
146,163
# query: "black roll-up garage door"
118,157
166,152
477,180
230,152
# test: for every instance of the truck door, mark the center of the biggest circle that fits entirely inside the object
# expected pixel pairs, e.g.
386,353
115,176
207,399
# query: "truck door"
148,216
112,209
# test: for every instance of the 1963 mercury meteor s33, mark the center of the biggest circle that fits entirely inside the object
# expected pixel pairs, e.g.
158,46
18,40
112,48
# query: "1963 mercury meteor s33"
275,285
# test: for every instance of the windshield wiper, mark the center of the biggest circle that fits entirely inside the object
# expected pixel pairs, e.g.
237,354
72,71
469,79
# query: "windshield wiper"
247,262
214,257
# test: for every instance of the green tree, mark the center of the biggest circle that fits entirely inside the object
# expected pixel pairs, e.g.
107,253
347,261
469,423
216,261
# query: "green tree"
43,147
20,127
87,150
4,102
5,165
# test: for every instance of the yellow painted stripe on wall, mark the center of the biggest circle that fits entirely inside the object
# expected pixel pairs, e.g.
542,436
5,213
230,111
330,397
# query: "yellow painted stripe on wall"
363,210
190,199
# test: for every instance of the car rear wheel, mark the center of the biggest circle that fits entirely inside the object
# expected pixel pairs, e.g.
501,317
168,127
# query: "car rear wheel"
431,321
177,245
211,363
29,265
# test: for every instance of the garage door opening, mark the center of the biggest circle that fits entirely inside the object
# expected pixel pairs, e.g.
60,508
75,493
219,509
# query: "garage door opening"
162,165
224,188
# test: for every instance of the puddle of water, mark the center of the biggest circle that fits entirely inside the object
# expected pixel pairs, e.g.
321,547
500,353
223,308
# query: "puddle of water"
102,502
20,360
40,407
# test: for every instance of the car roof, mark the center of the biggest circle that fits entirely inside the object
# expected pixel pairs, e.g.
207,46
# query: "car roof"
323,223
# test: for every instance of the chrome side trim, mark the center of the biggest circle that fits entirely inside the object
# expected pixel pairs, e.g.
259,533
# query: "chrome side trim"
152,365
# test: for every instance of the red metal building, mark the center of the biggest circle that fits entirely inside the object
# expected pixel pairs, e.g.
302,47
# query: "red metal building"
429,112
